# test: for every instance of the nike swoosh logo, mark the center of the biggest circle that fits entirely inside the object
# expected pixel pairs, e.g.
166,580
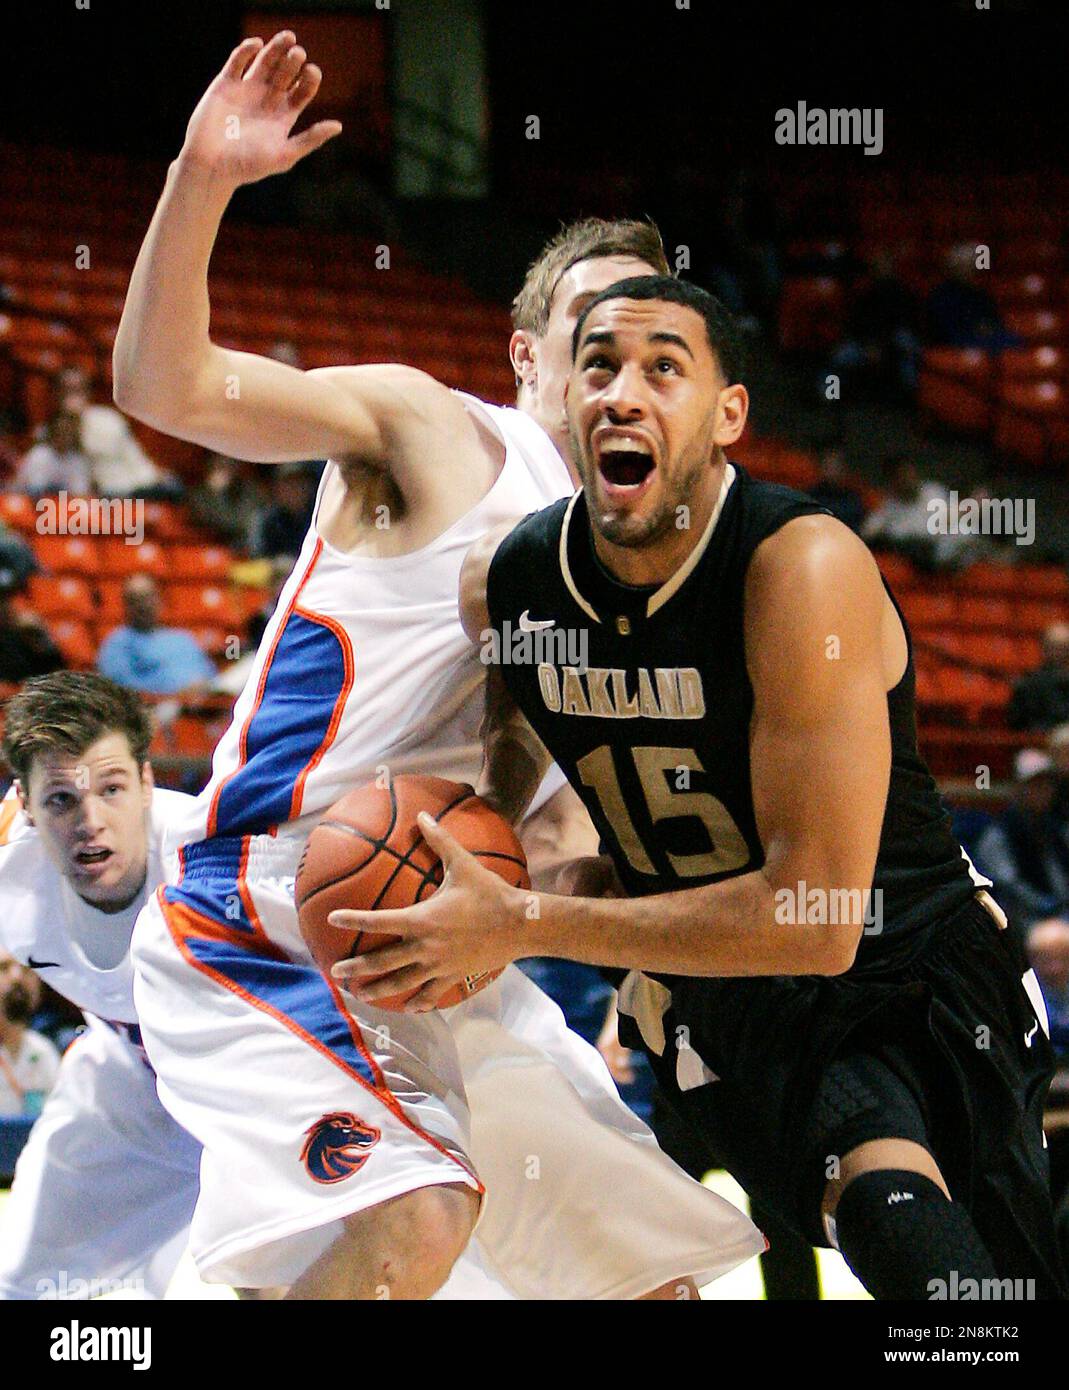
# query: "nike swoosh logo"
1031,1034
41,964
527,624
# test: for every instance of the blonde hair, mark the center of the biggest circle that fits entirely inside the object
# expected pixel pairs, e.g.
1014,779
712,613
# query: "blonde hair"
585,240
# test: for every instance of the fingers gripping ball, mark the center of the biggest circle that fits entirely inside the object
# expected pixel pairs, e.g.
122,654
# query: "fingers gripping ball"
369,852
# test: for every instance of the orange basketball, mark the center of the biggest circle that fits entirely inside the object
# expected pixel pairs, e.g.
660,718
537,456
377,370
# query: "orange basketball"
369,852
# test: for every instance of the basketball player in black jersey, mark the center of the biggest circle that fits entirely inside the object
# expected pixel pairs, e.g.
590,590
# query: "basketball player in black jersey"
822,983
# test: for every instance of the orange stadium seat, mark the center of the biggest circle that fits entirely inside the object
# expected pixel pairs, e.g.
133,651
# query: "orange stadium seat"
198,605
1036,325
929,609
972,693
983,611
52,301
197,562
1032,363
1023,254
18,512
193,737
810,313
1033,615
68,554
65,596
1032,420
75,641
117,559
993,650
1042,581
167,521
954,387
1028,291
110,611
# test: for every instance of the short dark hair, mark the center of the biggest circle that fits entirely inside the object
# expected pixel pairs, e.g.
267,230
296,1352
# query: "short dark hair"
66,712
721,326
585,240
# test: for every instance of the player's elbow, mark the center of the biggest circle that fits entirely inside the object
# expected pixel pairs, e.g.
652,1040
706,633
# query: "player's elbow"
837,950
129,393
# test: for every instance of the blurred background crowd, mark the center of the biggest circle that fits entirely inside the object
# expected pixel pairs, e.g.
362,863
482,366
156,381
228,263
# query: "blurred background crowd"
908,323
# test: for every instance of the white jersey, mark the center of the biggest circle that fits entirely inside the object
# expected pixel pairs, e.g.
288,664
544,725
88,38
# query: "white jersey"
365,663
47,926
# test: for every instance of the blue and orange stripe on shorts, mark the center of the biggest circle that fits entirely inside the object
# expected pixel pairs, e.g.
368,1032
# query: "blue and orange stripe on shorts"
213,922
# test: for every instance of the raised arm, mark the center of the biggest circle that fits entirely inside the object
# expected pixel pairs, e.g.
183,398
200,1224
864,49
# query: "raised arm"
167,370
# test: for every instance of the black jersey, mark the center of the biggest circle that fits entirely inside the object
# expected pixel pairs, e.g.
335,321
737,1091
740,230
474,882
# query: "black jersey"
643,698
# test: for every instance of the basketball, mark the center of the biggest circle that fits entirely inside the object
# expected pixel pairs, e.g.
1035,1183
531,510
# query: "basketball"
368,852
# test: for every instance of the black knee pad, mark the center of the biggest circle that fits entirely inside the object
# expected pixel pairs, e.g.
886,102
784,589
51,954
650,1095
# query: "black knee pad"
901,1236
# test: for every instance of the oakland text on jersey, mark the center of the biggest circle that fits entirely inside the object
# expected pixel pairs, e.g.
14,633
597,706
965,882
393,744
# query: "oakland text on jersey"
668,692
533,643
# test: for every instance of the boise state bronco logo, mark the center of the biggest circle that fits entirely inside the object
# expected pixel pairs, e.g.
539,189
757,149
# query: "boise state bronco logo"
337,1146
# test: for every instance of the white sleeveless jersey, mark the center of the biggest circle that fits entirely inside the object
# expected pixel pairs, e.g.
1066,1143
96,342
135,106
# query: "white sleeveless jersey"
43,921
365,665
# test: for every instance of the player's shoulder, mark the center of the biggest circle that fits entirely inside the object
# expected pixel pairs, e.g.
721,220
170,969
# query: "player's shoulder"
167,806
29,887
19,840
533,538
13,823
521,433
766,505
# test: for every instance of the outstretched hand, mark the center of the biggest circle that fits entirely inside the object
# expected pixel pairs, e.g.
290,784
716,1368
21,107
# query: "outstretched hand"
473,922
241,127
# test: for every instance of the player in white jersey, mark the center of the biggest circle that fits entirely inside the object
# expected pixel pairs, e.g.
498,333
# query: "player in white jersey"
338,1156
106,1185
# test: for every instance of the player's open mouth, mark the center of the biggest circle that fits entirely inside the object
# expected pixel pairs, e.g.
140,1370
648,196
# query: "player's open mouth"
92,858
625,468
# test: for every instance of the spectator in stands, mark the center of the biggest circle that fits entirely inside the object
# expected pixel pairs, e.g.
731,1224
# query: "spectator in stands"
28,1061
834,490
1058,748
145,656
961,313
1048,950
227,503
1040,699
58,461
282,527
26,647
911,518
1023,849
10,458
121,468
17,561
234,673
881,343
